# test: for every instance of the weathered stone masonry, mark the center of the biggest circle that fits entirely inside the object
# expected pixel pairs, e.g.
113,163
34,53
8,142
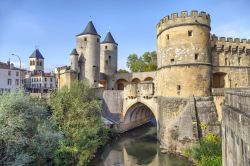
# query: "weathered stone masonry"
236,129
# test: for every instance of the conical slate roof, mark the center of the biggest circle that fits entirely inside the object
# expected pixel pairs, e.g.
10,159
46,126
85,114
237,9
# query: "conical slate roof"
109,39
90,29
74,52
36,54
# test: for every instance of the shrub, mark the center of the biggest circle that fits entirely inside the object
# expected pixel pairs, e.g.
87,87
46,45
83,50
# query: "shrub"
207,152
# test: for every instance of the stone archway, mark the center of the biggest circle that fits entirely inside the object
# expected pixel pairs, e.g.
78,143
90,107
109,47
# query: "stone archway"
137,115
121,84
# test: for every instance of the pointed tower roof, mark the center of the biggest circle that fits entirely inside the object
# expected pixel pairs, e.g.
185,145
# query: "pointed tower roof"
109,39
74,52
90,29
36,54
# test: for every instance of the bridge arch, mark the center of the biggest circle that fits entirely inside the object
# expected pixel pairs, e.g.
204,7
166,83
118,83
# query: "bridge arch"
138,114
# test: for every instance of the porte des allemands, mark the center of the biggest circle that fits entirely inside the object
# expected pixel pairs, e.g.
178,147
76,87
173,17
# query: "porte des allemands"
186,95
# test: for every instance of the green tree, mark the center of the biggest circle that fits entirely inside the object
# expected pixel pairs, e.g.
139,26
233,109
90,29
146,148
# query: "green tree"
28,136
78,115
144,63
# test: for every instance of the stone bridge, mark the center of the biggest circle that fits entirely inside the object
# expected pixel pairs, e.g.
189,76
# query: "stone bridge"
178,119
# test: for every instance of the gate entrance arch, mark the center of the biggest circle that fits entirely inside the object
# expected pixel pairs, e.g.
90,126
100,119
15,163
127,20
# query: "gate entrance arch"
138,114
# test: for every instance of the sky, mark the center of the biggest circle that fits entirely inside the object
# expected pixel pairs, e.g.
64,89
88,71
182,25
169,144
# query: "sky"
51,25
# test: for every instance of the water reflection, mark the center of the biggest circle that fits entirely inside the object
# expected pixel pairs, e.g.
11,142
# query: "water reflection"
137,147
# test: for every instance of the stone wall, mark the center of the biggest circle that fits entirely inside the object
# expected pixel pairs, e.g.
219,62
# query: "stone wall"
112,104
235,129
182,121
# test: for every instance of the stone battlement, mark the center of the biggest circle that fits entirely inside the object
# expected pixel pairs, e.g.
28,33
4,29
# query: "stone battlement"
185,18
230,45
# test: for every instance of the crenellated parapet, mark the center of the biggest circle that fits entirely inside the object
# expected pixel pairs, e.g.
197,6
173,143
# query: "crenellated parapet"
230,45
185,18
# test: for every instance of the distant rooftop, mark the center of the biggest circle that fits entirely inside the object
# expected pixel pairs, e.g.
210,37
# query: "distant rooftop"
36,54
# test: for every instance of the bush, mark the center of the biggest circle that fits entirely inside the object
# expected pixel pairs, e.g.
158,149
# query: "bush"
78,115
28,136
207,152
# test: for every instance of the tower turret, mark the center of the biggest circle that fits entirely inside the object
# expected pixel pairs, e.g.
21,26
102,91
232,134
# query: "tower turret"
88,47
36,61
108,62
183,50
74,60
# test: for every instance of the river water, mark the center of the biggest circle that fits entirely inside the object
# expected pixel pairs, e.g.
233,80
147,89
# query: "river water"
137,147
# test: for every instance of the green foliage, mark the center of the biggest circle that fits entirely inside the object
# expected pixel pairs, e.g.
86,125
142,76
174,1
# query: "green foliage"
28,136
122,71
78,115
144,63
207,152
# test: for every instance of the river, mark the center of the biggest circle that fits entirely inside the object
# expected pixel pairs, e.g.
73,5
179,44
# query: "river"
137,147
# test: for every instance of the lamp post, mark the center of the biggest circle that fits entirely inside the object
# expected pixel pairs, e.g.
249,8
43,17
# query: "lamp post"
20,62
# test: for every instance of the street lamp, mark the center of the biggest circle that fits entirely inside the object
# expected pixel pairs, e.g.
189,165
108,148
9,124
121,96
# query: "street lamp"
20,62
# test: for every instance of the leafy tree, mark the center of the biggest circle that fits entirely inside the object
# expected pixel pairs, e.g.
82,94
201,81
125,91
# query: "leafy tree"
78,115
144,63
28,136
122,71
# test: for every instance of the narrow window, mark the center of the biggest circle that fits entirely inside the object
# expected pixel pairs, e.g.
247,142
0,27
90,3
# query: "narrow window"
106,62
85,39
30,63
106,47
167,37
109,57
17,81
190,33
98,40
9,81
178,89
45,85
225,61
239,60
196,56
9,73
17,73
172,60
51,79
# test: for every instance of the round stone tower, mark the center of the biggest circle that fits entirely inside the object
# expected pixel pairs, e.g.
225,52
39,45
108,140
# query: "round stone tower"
183,55
108,62
74,60
88,47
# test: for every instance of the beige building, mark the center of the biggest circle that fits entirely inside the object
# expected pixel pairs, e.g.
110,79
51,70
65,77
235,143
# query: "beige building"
36,80
184,95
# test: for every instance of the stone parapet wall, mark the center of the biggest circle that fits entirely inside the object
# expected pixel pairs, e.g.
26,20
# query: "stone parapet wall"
235,128
239,100
173,20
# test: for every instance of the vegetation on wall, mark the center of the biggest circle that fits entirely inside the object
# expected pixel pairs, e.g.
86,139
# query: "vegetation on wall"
78,115
146,62
122,71
207,152
28,134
